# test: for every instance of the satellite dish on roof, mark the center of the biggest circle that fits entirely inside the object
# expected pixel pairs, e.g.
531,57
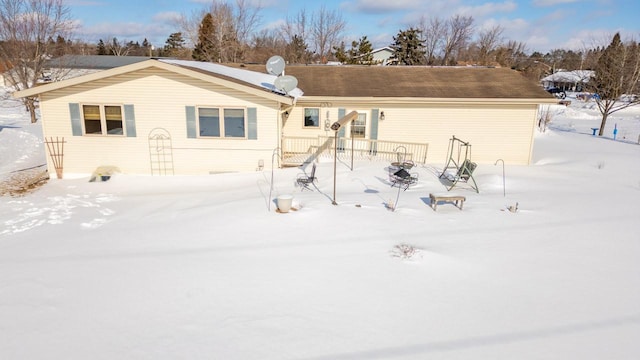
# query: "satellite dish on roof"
285,83
275,65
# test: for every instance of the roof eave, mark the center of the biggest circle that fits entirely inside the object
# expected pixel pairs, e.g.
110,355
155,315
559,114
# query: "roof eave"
34,91
82,79
420,100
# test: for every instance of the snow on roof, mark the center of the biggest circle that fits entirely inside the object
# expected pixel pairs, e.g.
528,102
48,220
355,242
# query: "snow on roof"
574,76
386,48
255,78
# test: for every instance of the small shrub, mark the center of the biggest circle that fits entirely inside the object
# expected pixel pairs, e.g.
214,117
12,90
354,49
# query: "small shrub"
22,183
404,251
545,118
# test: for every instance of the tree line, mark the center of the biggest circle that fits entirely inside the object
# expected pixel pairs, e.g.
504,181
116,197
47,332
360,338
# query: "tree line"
33,31
226,33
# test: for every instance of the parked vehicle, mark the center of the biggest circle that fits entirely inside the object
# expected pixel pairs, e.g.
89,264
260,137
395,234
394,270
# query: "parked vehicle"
557,92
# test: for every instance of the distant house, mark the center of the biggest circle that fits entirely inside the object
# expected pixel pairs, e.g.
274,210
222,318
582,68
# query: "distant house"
568,80
186,117
382,55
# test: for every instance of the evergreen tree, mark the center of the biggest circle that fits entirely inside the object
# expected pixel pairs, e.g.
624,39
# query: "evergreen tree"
101,49
174,46
359,53
408,48
340,53
61,46
353,53
296,51
58,47
147,48
204,49
365,49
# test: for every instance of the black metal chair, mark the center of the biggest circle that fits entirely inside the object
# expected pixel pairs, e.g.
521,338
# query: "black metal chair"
305,180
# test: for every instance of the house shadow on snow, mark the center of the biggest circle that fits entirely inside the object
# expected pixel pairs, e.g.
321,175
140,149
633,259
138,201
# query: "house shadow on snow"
2,127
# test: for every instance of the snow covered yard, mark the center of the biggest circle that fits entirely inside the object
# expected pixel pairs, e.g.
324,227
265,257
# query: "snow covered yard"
143,267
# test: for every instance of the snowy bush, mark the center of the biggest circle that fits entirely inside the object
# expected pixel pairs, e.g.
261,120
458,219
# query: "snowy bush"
545,118
404,251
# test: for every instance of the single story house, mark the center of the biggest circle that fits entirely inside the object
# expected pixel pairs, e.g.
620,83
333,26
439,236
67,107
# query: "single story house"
493,109
568,80
382,55
162,116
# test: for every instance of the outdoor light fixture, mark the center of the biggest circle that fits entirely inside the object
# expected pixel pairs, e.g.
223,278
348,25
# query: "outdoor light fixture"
286,114
381,115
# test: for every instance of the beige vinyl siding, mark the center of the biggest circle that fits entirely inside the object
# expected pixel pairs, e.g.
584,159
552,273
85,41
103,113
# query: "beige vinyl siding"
494,131
294,125
159,98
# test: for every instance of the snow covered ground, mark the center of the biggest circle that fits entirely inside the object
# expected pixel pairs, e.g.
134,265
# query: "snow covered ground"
143,267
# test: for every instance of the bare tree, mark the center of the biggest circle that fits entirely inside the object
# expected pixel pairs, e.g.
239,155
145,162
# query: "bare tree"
458,31
189,24
617,78
264,45
295,32
326,31
511,53
296,27
117,48
488,41
247,19
231,32
224,36
433,34
25,27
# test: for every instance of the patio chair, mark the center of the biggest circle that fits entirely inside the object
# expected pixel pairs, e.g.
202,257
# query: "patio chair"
305,180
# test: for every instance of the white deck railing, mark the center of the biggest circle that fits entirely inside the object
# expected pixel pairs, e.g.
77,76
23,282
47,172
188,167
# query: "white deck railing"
297,150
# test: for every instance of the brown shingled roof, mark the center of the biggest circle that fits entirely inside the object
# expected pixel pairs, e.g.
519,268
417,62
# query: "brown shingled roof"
412,81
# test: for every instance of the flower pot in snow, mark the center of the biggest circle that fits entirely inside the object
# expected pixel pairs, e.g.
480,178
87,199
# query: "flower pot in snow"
284,203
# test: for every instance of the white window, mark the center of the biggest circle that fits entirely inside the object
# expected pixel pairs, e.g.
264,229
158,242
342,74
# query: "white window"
312,117
232,124
103,119
358,126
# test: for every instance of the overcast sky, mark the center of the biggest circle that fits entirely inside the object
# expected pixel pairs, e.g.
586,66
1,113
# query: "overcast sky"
542,25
